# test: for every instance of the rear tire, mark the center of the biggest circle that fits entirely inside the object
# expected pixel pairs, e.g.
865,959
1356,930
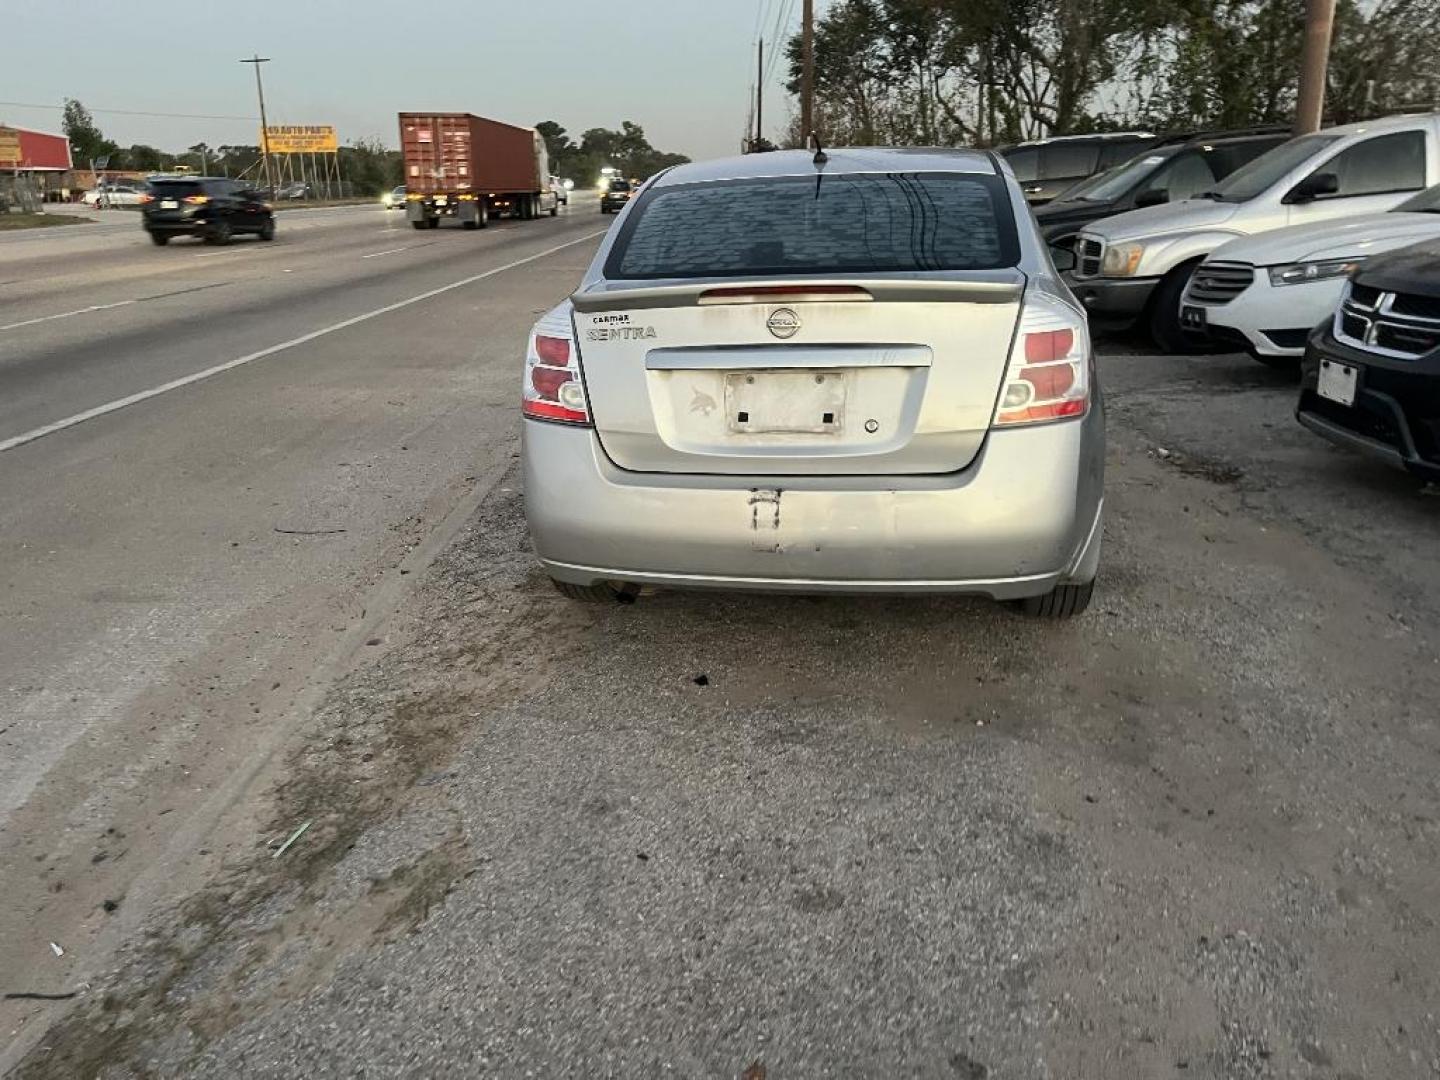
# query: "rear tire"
159,239
592,594
1165,311
219,234
420,224
470,224
267,230
432,223
1062,602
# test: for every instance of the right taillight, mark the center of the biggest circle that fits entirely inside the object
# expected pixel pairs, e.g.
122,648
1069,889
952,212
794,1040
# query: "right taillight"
552,388
1048,377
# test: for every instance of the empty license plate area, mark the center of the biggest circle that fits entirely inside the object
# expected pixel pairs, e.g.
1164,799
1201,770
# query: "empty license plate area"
1338,382
805,402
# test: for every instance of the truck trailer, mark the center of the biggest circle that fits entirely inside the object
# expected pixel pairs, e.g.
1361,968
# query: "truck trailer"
472,169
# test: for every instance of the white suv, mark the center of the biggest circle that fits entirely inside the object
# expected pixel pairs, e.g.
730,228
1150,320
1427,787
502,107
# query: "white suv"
1135,266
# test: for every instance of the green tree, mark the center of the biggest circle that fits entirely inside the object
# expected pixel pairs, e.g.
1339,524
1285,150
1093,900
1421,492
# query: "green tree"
86,140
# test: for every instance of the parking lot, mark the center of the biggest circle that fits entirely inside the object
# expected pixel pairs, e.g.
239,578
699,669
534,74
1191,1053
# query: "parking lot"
350,789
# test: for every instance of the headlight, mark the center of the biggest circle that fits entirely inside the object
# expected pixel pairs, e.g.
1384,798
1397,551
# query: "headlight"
1301,273
1121,260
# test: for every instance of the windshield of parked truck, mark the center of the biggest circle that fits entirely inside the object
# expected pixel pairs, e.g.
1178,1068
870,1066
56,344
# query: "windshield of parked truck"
1115,182
1248,181
1427,202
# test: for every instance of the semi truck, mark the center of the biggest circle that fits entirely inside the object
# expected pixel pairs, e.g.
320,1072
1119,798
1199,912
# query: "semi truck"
471,169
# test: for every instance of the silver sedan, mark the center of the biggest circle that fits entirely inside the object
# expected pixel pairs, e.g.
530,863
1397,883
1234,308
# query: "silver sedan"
853,372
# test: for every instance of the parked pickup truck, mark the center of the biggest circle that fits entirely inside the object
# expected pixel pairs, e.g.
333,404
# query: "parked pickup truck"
471,169
1135,267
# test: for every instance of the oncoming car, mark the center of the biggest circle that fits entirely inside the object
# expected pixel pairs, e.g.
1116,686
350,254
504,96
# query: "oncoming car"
394,199
857,372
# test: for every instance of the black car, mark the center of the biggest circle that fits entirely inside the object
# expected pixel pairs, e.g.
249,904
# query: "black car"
209,207
1178,167
1047,167
1371,375
615,196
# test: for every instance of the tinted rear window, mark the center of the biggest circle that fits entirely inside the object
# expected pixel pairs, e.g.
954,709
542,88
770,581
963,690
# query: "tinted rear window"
845,223
174,189
1064,161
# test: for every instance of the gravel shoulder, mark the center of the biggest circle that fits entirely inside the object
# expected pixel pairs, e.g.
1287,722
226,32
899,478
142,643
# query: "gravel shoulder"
1191,834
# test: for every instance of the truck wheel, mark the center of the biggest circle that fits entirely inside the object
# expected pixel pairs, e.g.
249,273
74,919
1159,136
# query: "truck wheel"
1165,311
484,214
420,224
432,223
555,208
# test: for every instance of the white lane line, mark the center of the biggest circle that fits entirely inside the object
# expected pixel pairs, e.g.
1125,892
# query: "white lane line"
392,251
212,254
198,376
67,314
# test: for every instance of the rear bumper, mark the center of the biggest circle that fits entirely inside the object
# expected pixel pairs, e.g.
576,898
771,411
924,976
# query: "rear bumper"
1025,516
1114,299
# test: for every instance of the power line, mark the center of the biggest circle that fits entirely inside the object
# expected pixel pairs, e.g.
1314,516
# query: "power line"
127,112
777,39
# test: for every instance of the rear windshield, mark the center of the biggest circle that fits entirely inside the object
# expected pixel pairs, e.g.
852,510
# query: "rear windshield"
619,185
174,189
849,223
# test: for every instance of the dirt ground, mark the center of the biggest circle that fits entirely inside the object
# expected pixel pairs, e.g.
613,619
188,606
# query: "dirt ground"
1191,834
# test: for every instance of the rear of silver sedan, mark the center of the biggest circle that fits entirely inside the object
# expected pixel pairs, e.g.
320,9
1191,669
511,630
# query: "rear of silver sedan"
859,375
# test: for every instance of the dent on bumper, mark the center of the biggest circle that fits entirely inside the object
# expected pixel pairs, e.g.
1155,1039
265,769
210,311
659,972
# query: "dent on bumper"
1025,515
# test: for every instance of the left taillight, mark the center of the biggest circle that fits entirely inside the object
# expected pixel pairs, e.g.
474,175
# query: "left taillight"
1049,375
146,199
553,389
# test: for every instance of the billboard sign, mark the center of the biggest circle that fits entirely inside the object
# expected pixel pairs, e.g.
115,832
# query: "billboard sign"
300,139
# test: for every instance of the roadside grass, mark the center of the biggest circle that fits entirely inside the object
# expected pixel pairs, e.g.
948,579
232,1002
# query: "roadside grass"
13,222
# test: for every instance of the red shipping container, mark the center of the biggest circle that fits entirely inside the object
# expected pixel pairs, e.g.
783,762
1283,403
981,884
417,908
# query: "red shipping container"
451,153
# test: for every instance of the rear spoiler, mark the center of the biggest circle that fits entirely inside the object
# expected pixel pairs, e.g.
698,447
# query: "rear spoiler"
983,287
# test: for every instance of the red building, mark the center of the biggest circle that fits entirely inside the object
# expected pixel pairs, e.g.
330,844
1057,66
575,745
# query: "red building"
33,151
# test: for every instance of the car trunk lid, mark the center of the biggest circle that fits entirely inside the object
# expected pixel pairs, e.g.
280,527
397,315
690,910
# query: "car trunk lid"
859,376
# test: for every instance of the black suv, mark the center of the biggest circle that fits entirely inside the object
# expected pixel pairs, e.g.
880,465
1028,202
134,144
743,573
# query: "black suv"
616,194
1047,167
205,206
1371,375
1178,167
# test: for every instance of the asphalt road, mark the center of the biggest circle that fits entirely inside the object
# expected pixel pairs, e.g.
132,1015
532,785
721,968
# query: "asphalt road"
1192,834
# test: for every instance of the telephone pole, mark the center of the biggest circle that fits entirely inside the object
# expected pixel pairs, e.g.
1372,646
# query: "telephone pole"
759,89
257,60
807,72
1319,19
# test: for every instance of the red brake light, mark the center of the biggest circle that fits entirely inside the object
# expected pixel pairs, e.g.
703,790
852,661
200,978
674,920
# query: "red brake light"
1049,373
770,294
552,350
197,200
552,389
147,198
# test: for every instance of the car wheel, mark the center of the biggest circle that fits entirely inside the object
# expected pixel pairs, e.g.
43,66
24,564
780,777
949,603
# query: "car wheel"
267,230
1165,326
419,224
554,208
219,233
1062,602
432,223
159,239
594,594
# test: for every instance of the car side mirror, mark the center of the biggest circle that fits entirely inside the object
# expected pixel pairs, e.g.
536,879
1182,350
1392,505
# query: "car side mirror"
1152,197
1313,186
1063,258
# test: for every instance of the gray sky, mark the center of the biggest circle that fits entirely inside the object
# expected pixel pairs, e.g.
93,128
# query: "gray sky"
679,68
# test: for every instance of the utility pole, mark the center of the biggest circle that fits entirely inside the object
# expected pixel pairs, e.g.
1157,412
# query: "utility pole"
1319,19
759,88
257,60
807,71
